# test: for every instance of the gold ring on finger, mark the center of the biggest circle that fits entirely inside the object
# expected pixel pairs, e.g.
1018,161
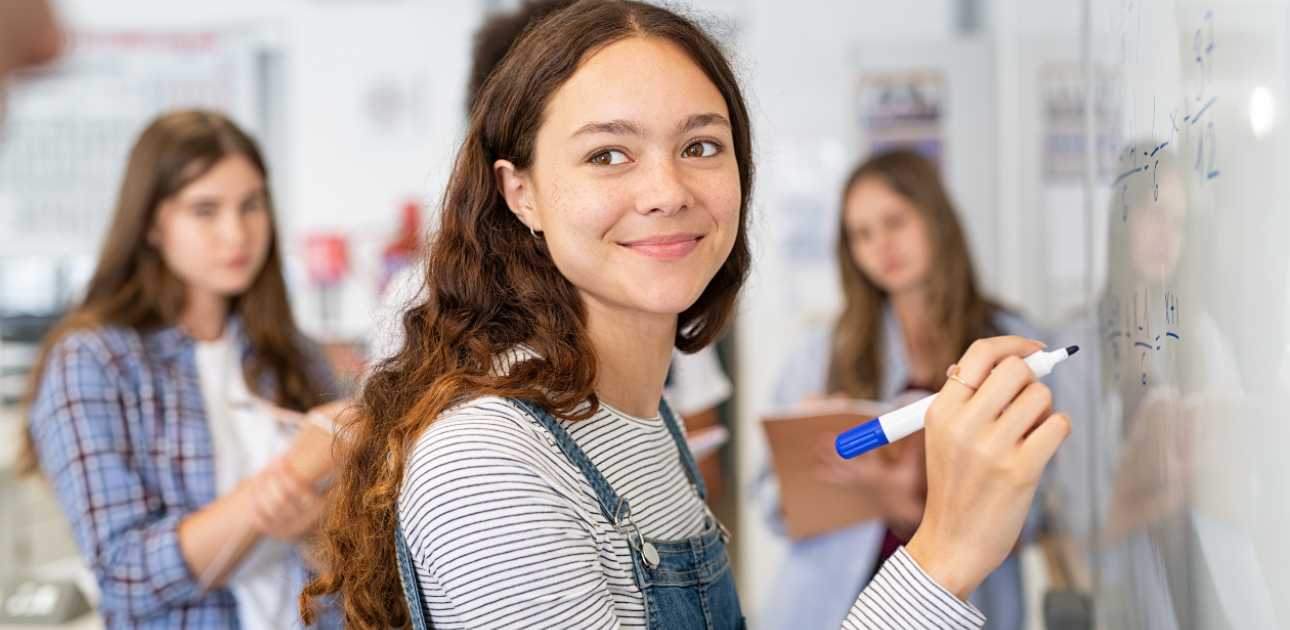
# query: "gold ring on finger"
955,377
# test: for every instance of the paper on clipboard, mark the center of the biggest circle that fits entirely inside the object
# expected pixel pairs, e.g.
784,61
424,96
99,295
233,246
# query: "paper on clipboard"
810,505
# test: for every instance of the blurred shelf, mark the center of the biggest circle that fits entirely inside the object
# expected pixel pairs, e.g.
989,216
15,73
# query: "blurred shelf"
88,621
10,438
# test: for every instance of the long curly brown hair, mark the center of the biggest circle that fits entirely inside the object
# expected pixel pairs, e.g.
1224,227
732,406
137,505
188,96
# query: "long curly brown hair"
490,286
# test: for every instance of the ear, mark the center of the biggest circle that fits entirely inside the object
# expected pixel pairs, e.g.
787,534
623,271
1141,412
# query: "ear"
515,189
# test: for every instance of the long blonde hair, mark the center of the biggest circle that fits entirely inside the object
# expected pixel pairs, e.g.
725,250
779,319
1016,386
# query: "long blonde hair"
958,313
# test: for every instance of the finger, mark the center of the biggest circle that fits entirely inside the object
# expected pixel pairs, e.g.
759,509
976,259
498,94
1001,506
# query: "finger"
981,357
291,484
274,492
274,519
1042,443
311,506
998,391
1028,409
288,484
308,502
262,515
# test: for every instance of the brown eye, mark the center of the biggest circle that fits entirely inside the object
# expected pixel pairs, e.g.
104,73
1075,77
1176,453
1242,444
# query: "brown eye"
700,149
608,158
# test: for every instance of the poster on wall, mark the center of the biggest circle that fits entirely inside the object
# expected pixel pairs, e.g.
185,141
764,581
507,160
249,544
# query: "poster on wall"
903,109
68,129
1061,87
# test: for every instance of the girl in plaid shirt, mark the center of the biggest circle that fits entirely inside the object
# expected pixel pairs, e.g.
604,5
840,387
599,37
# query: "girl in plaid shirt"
157,412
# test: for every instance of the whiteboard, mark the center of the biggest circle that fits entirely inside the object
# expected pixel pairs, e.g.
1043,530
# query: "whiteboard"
68,130
1174,494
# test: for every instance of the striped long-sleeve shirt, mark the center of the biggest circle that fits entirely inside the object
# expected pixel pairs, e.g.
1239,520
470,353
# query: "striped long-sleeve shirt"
507,533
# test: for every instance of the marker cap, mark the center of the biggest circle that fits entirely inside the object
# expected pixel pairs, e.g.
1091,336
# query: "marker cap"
863,438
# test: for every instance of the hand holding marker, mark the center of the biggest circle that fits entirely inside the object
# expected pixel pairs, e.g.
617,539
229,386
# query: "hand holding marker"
890,427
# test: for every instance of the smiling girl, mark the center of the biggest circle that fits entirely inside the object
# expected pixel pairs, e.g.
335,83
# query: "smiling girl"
156,413
515,459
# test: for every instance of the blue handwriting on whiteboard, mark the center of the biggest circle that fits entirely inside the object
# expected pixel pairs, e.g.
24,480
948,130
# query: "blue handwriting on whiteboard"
1132,328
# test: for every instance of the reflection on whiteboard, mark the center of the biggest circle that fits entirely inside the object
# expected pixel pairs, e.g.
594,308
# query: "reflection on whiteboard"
68,131
1183,504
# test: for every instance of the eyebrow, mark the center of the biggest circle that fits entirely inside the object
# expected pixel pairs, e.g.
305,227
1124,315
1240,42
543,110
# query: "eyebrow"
629,128
699,121
615,127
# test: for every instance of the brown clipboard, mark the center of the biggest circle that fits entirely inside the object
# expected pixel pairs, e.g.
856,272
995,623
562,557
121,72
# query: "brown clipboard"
809,505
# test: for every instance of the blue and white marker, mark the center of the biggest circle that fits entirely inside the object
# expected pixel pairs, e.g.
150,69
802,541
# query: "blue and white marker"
890,427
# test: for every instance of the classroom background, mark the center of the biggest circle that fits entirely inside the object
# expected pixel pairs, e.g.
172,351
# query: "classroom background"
1044,119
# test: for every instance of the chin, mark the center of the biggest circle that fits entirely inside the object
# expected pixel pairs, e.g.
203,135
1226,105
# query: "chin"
891,285
670,307
234,289
668,301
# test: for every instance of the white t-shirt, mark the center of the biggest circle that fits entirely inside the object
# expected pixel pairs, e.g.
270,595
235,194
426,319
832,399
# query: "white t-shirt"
245,441
696,382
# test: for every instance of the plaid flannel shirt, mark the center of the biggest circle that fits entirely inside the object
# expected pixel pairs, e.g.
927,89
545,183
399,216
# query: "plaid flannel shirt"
120,429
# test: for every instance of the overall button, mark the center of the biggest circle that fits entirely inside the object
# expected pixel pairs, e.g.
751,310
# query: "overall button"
651,555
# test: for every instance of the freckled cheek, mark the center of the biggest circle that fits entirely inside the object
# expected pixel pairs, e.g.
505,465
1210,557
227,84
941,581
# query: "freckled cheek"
576,220
722,200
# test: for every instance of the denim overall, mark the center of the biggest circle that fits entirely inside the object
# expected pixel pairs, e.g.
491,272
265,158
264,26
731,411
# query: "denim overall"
686,583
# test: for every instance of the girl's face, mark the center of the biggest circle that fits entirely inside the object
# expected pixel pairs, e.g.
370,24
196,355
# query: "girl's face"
214,233
1156,231
888,235
634,184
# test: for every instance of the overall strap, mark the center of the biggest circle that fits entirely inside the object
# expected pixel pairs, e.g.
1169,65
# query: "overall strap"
408,573
614,508
687,458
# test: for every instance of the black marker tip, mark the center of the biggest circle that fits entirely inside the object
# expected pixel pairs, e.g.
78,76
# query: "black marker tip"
1071,350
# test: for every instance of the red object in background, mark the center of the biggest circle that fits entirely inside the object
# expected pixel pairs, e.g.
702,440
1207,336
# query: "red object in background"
403,249
409,238
326,258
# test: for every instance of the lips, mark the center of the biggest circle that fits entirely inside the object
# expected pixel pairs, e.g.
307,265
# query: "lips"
668,247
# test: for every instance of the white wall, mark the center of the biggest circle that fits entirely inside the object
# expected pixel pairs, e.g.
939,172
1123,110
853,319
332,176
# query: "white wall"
339,171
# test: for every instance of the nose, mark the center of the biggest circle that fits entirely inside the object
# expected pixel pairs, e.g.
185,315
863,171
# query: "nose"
233,228
663,189
881,240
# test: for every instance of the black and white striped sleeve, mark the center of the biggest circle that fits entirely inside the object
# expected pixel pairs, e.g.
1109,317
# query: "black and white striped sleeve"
504,547
902,595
